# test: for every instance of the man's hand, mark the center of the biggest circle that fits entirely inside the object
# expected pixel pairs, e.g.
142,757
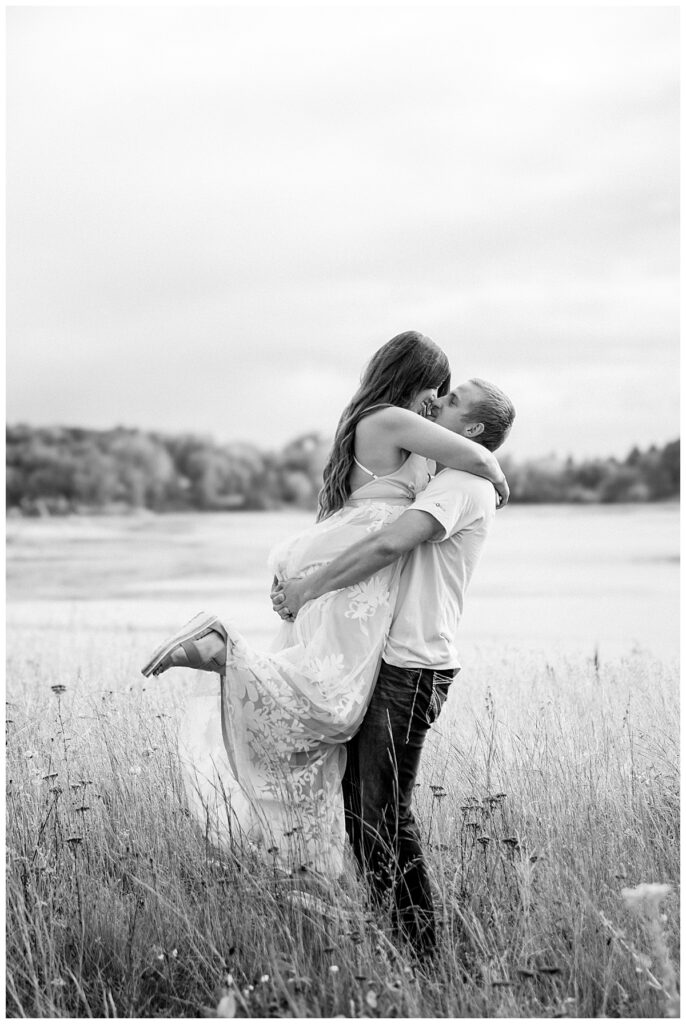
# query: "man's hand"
288,597
278,601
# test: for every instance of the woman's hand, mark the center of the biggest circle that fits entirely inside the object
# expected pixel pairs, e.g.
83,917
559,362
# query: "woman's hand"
503,492
288,597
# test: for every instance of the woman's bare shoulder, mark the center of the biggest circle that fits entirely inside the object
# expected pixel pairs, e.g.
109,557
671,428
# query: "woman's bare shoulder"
384,416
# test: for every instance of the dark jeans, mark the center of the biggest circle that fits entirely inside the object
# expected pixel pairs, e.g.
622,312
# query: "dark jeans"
383,760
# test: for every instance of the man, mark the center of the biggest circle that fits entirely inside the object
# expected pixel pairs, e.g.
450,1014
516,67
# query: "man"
440,537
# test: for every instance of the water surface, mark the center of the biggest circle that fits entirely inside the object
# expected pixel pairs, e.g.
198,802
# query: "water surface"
551,577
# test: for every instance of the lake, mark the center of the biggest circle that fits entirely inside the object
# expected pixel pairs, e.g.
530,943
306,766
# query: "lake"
564,578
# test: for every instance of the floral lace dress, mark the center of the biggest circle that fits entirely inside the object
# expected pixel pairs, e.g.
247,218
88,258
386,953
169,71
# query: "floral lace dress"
286,714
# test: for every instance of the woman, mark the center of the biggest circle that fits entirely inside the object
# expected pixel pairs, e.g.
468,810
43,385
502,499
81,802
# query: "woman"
287,714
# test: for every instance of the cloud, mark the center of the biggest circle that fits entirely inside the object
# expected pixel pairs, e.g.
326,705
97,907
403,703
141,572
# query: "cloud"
203,202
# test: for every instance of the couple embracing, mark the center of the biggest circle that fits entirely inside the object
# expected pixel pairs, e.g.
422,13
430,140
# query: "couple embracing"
323,734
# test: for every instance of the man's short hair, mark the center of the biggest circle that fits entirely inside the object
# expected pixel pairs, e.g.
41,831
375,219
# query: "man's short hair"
495,411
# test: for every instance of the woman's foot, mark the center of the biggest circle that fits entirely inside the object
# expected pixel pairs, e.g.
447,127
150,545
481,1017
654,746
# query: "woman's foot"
200,644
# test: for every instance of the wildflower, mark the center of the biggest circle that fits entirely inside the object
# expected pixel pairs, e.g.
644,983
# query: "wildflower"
264,979
135,769
58,689
227,1005
646,897
174,953
333,969
370,999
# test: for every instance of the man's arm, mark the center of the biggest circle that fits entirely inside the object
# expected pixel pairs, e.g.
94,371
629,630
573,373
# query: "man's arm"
359,561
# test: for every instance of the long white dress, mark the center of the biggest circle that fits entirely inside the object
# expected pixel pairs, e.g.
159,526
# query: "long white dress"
286,714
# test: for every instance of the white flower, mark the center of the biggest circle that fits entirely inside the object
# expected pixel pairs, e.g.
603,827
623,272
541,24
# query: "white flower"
135,769
367,597
646,897
327,669
227,1006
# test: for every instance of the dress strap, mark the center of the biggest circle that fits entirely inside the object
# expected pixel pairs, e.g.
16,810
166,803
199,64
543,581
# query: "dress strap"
364,468
370,409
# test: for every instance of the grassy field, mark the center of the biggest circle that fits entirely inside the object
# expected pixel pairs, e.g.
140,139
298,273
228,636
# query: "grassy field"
549,785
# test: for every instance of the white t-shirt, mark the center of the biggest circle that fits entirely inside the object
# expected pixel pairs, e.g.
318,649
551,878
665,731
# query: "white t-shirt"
436,574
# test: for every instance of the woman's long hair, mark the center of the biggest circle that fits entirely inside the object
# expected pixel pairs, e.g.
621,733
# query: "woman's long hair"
396,373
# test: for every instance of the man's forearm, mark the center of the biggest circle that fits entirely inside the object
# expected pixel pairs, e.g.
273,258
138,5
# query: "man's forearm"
357,563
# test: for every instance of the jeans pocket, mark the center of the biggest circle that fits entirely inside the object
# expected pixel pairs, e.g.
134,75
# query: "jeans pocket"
439,695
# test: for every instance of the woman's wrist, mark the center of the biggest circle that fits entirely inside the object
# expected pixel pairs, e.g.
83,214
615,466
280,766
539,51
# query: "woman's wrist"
499,479
492,470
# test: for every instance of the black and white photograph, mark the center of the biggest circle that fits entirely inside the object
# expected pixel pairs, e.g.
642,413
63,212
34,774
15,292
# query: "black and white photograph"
342,511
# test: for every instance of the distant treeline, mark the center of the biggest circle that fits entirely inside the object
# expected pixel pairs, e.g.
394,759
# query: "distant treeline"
62,470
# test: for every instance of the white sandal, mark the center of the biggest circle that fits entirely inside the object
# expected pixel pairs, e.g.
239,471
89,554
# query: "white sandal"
181,650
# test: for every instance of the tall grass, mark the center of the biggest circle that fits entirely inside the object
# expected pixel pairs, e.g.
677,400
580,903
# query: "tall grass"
548,787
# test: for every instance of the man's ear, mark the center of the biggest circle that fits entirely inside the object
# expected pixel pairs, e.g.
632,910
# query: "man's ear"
474,429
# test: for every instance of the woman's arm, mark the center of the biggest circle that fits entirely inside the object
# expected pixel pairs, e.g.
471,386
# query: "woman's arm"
416,434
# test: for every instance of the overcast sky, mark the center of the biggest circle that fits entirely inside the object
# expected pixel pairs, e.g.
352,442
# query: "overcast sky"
216,215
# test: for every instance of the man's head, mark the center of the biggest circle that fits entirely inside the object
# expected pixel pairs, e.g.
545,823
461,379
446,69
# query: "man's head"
478,410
